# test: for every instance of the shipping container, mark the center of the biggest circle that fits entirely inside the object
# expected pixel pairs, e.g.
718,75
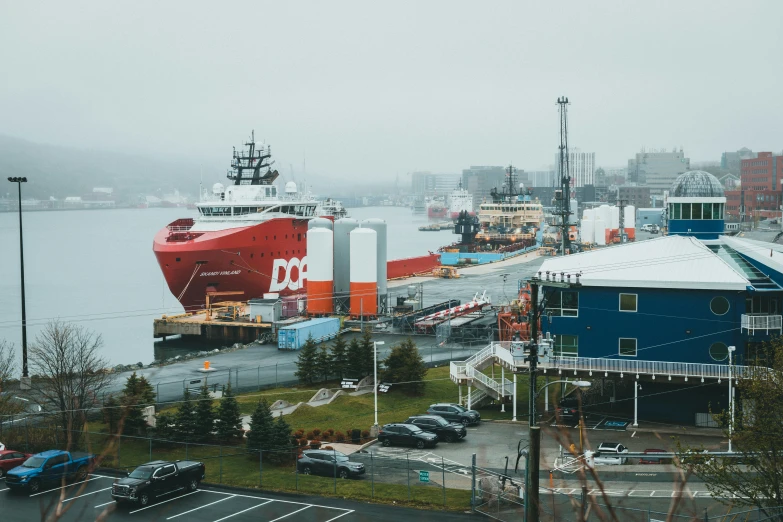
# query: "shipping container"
293,337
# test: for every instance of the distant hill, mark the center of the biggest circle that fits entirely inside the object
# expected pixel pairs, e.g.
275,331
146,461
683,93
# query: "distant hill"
60,171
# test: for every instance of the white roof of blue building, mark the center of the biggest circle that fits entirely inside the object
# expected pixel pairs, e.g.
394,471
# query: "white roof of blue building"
666,262
769,254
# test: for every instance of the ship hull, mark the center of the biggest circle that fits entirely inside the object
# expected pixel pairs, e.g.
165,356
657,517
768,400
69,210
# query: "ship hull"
455,214
437,213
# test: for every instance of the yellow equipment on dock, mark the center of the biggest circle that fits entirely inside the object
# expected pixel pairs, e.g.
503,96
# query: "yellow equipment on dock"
446,272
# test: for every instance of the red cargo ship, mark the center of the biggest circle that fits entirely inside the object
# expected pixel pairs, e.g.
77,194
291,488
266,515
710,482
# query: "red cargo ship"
248,238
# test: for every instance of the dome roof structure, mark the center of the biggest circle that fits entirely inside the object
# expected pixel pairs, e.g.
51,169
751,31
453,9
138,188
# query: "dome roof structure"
696,184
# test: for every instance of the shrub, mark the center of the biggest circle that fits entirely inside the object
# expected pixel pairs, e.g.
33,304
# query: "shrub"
326,438
315,444
330,431
317,433
303,442
310,435
365,435
299,433
339,436
327,448
356,436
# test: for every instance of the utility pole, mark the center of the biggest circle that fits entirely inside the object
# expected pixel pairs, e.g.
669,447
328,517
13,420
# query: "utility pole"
25,381
565,177
532,479
621,207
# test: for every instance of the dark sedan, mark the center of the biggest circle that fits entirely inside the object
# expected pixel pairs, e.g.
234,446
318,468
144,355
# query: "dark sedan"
406,435
448,431
328,463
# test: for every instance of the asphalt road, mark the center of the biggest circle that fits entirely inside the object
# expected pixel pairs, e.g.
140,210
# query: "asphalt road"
91,500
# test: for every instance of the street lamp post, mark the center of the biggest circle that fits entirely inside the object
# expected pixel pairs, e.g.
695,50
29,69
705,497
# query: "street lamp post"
375,345
25,383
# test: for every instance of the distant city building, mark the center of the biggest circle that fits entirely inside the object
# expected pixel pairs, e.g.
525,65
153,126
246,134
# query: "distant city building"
615,176
581,167
479,180
635,195
600,177
732,161
759,194
657,169
429,184
541,178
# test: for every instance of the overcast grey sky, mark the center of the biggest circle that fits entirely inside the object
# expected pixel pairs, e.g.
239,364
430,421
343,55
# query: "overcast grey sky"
370,87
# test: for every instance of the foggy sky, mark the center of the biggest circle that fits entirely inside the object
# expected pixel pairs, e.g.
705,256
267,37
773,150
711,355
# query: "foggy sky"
360,88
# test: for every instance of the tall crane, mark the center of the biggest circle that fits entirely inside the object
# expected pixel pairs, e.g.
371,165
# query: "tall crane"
565,178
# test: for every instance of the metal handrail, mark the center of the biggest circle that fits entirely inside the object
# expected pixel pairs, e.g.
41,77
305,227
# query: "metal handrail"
752,322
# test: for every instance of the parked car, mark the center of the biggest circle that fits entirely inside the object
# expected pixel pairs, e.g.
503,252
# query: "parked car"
567,414
406,435
158,479
49,467
611,454
10,459
445,430
654,229
455,413
646,227
651,458
328,463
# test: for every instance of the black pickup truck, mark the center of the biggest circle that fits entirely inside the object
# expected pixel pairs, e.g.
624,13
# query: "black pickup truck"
158,479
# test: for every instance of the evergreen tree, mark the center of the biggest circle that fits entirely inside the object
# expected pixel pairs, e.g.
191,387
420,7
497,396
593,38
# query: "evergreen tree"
205,415
366,348
229,419
137,395
354,366
281,440
185,422
323,363
164,426
261,436
112,413
339,357
307,364
405,365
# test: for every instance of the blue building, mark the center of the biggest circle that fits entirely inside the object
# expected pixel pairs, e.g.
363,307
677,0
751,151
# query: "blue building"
667,310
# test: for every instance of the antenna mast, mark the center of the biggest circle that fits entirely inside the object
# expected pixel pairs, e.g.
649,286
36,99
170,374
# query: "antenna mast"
565,177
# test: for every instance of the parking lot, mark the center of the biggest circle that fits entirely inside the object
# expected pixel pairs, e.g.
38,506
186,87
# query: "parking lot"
91,500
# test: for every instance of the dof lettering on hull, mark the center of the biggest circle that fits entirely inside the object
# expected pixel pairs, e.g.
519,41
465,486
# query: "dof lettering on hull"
281,265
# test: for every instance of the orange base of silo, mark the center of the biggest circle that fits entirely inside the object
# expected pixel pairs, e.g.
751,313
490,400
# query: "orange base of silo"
320,297
364,299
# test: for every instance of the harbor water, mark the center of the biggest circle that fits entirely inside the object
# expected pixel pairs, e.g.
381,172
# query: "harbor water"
96,268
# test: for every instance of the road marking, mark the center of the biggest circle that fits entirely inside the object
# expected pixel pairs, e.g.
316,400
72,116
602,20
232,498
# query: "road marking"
274,499
338,516
169,500
288,515
633,434
86,494
245,510
205,505
65,486
6,489
106,504
652,493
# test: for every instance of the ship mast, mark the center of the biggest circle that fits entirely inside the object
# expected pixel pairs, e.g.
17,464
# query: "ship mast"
565,177
246,165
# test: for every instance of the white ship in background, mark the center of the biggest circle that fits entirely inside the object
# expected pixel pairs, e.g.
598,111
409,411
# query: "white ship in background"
459,201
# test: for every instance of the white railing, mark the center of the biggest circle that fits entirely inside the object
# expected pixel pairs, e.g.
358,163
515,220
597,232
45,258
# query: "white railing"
753,322
457,370
635,367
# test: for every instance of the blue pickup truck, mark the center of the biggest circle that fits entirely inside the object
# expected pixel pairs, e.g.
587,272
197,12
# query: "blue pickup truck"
48,468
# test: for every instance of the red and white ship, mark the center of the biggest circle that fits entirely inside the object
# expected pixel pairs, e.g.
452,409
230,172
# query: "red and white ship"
459,201
248,237
436,208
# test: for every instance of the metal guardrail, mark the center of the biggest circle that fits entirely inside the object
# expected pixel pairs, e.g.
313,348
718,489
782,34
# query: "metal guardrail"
753,322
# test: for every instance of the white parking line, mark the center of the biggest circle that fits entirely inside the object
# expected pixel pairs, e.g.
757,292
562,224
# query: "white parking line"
6,489
86,494
65,486
275,500
106,504
205,505
288,515
169,500
338,516
245,510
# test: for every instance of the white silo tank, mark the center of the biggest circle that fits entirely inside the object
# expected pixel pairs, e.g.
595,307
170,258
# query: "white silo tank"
342,259
600,232
630,216
615,222
605,214
320,271
574,209
320,222
587,231
364,272
379,226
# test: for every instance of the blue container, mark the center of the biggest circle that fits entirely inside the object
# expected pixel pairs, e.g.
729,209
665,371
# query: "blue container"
293,337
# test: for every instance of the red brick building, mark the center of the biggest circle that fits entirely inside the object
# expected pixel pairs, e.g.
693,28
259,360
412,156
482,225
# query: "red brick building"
760,181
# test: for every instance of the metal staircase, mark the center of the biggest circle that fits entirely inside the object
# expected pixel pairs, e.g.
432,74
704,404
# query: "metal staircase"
469,372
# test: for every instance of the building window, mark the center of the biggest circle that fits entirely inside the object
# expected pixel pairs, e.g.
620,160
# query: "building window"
676,210
563,303
628,302
627,347
686,211
696,211
706,212
719,305
566,346
719,352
